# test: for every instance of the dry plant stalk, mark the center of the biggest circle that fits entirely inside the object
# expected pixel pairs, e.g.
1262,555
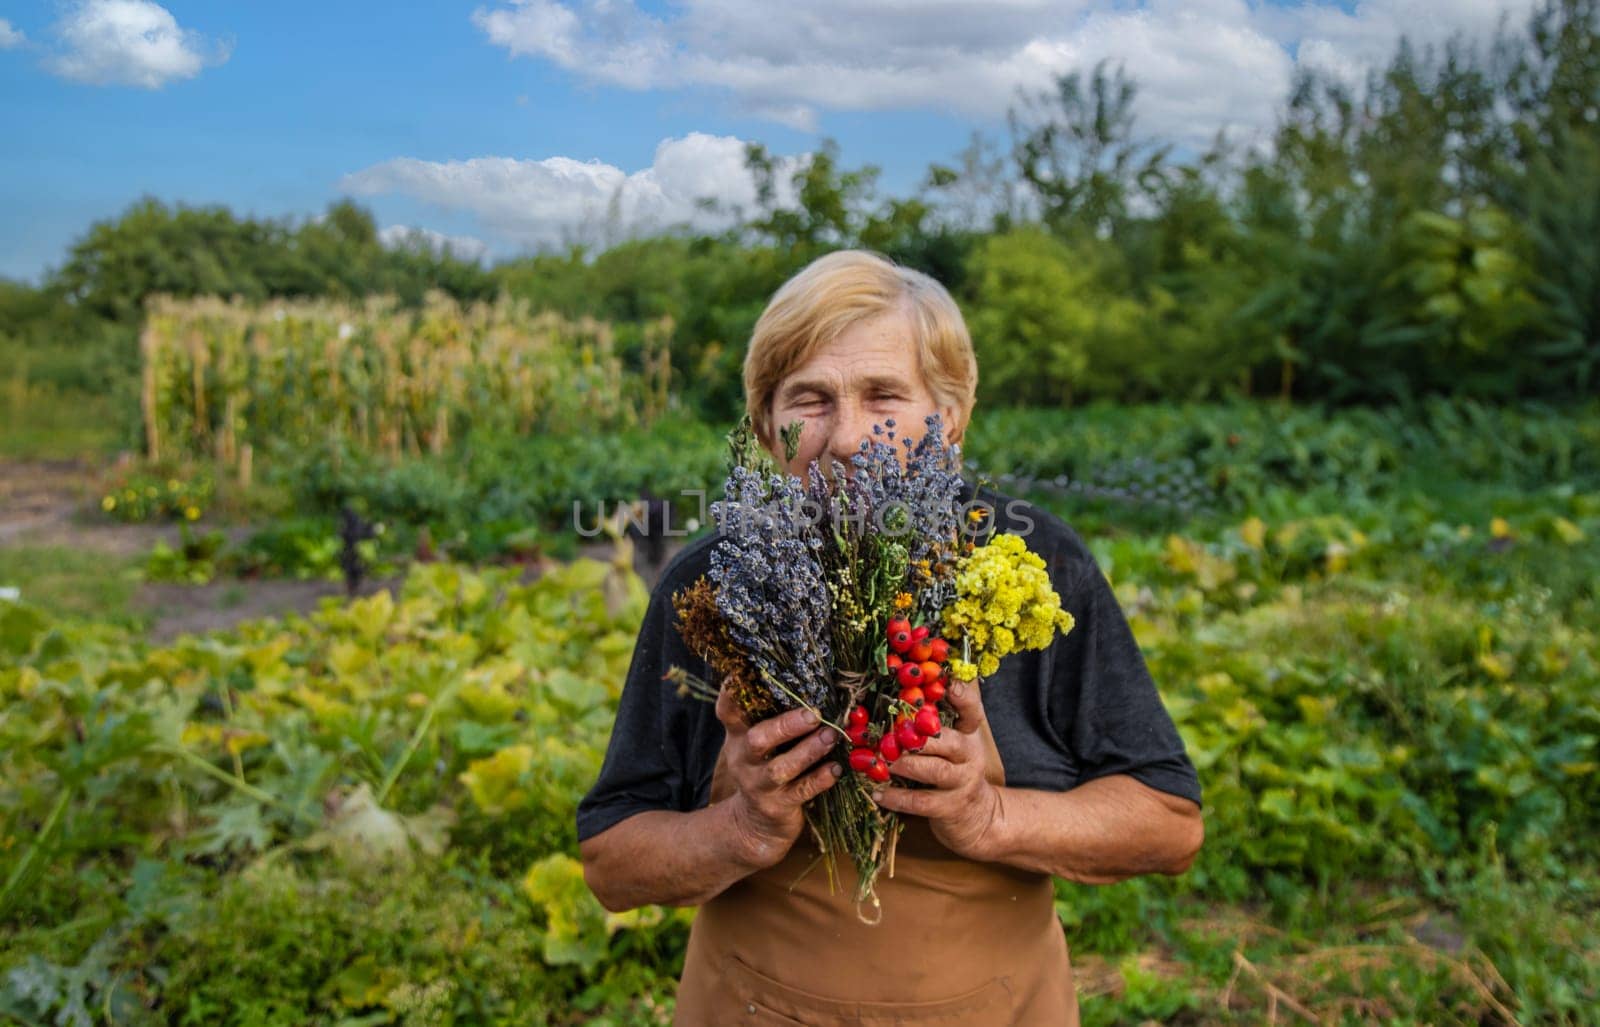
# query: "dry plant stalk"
218,376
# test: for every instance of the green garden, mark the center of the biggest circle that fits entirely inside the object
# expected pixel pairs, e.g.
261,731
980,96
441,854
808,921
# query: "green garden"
1327,417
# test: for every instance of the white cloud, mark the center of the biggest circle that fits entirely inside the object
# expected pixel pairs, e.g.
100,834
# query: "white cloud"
463,247
558,200
1200,64
1349,43
9,36
130,42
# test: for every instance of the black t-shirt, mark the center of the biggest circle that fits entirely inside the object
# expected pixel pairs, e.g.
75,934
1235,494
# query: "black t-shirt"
1083,708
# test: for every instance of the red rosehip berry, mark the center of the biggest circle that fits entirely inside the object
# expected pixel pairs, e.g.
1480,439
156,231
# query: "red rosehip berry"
858,716
878,771
912,696
909,674
905,732
919,633
940,650
919,652
927,722
861,759
889,748
933,691
857,733
931,671
892,661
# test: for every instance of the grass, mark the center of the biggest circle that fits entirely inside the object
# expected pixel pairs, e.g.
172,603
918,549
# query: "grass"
76,583
41,422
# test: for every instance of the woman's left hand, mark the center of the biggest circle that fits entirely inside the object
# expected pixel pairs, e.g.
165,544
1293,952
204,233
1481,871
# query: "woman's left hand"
962,805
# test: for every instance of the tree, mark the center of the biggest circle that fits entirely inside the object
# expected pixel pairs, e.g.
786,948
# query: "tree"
1051,323
830,202
1075,149
1553,86
978,193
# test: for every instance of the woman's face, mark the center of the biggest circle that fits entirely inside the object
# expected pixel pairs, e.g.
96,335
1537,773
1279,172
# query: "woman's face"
866,376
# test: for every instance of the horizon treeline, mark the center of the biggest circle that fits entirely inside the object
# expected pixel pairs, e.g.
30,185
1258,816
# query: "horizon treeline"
1434,230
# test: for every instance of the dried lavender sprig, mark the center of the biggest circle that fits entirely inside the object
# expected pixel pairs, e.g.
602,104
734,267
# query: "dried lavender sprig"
770,587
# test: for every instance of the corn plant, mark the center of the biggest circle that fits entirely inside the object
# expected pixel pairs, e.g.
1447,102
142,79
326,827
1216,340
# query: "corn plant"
221,378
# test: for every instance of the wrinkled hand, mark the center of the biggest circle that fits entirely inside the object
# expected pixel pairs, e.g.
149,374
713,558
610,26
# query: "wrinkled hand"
765,789
963,805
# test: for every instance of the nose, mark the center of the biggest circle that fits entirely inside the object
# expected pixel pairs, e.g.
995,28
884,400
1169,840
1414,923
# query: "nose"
850,426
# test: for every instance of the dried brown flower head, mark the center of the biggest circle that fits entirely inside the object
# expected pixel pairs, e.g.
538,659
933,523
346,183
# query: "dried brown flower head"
706,634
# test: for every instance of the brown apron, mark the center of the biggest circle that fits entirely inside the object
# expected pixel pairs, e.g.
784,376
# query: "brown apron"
959,943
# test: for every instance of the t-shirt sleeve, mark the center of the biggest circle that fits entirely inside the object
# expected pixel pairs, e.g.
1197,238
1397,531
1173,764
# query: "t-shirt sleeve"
1104,703
649,762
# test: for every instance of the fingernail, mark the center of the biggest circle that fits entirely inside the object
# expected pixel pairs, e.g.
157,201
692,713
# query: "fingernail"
836,770
877,796
959,690
810,716
826,736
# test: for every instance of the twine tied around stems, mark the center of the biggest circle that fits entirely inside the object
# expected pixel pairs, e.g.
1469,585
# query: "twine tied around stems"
852,681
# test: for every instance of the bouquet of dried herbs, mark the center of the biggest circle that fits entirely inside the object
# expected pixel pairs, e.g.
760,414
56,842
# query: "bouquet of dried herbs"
858,592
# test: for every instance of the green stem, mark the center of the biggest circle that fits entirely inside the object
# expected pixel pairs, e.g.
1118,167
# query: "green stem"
228,708
207,767
21,869
416,740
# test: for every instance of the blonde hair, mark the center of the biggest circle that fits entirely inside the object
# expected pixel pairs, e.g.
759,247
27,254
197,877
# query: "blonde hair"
836,291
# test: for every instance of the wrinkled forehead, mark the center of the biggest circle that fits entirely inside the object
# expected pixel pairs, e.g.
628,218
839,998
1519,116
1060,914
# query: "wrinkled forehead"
877,351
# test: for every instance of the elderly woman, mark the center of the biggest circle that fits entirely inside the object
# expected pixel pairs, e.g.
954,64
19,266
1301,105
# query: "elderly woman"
1066,764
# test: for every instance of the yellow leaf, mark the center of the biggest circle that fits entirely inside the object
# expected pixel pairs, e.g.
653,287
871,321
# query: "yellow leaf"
268,656
1314,710
1254,533
347,658
575,922
370,616
1179,555
28,682
632,919
1495,665
238,741
326,710
1567,532
200,735
495,781
489,693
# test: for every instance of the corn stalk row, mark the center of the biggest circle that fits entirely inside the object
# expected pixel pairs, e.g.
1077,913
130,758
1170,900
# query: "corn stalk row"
221,377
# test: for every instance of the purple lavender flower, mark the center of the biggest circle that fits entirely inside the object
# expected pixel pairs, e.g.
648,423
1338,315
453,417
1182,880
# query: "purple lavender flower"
770,586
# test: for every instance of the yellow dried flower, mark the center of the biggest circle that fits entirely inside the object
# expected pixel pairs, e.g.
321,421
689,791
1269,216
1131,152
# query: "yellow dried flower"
1004,604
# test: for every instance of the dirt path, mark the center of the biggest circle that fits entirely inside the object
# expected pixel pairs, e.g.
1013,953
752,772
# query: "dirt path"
54,504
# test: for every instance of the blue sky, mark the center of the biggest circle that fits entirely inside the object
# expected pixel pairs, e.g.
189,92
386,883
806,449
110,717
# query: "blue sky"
509,125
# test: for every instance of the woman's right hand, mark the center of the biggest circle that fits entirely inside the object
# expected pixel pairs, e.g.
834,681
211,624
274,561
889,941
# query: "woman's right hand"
769,788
